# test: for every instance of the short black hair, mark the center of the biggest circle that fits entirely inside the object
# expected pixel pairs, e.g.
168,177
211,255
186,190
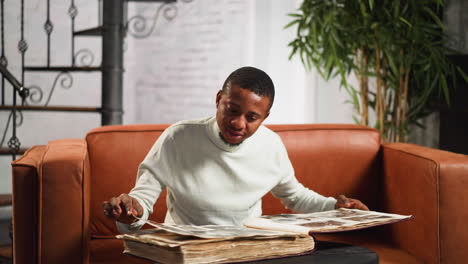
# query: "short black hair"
252,79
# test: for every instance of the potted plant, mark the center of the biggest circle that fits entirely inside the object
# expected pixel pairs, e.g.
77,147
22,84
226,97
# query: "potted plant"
395,48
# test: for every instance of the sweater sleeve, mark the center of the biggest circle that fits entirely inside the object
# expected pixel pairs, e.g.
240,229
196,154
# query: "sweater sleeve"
151,179
296,196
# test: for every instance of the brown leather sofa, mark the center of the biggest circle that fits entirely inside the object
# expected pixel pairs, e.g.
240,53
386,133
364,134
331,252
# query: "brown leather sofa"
58,190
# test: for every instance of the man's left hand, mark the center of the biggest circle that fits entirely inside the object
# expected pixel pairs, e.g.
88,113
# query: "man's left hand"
345,202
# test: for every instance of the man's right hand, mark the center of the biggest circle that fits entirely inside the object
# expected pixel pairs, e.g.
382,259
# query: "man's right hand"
123,208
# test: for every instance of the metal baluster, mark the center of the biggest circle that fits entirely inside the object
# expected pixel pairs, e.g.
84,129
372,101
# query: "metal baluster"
14,143
125,15
22,47
100,12
3,60
73,12
48,27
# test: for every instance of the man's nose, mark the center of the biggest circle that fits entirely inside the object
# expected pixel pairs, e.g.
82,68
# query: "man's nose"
238,122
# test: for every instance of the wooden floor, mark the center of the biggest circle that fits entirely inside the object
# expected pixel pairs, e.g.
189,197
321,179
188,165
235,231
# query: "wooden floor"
5,254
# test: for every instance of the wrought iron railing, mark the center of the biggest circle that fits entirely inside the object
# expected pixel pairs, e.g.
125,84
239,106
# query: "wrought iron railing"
33,97
82,59
13,143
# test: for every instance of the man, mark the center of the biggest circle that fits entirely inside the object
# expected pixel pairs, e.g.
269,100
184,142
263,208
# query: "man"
217,169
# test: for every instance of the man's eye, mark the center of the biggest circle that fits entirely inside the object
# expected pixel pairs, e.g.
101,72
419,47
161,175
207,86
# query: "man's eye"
252,118
231,110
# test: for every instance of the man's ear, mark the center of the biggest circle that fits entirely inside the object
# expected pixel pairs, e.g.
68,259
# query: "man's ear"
218,97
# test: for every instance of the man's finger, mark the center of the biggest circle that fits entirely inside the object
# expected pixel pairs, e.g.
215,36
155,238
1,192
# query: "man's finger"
106,205
134,213
356,204
344,200
363,206
127,203
110,210
107,208
128,206
116,203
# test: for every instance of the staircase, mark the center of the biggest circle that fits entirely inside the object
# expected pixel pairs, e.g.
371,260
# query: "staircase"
112,28
18,95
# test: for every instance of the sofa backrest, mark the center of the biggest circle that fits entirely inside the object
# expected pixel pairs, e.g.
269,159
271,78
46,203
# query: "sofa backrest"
332,159
329,159
115,153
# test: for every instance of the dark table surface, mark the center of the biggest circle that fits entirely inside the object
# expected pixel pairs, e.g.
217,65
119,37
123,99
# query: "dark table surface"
329,253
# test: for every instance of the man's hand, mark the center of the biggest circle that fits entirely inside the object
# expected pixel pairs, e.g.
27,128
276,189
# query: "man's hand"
123,208
344,202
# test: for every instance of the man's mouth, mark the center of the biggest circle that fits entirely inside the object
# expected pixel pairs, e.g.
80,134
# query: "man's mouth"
227,142
234,133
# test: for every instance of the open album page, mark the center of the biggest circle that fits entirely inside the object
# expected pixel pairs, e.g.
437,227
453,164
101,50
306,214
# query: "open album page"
327,221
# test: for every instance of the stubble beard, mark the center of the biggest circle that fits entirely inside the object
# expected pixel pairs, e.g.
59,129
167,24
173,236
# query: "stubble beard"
227,143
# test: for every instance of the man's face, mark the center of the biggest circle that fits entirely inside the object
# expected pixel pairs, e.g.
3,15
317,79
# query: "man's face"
239,113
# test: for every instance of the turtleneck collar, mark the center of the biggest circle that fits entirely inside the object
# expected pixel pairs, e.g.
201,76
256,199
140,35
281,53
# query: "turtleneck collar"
214,134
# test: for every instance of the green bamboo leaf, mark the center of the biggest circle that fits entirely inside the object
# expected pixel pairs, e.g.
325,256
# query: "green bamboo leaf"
419,124
391,62
462,74
362,7
336,38
426,67
355,98
356,120
434,16
405,21
396,11
303,59
295,15
290,24
328,68
294,50
445,89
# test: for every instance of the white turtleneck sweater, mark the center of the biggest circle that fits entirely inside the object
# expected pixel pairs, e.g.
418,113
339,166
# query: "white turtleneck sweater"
211,182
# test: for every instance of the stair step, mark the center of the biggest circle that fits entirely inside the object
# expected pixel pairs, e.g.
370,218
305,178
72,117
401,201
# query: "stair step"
97,31
53,108
5,199
7,151
62,68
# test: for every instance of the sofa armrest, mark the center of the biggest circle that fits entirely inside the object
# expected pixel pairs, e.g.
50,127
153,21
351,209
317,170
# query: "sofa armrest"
51,203
431,185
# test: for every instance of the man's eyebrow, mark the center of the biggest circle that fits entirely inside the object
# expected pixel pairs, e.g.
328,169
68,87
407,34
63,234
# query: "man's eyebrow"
234,104
250,112
255,113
